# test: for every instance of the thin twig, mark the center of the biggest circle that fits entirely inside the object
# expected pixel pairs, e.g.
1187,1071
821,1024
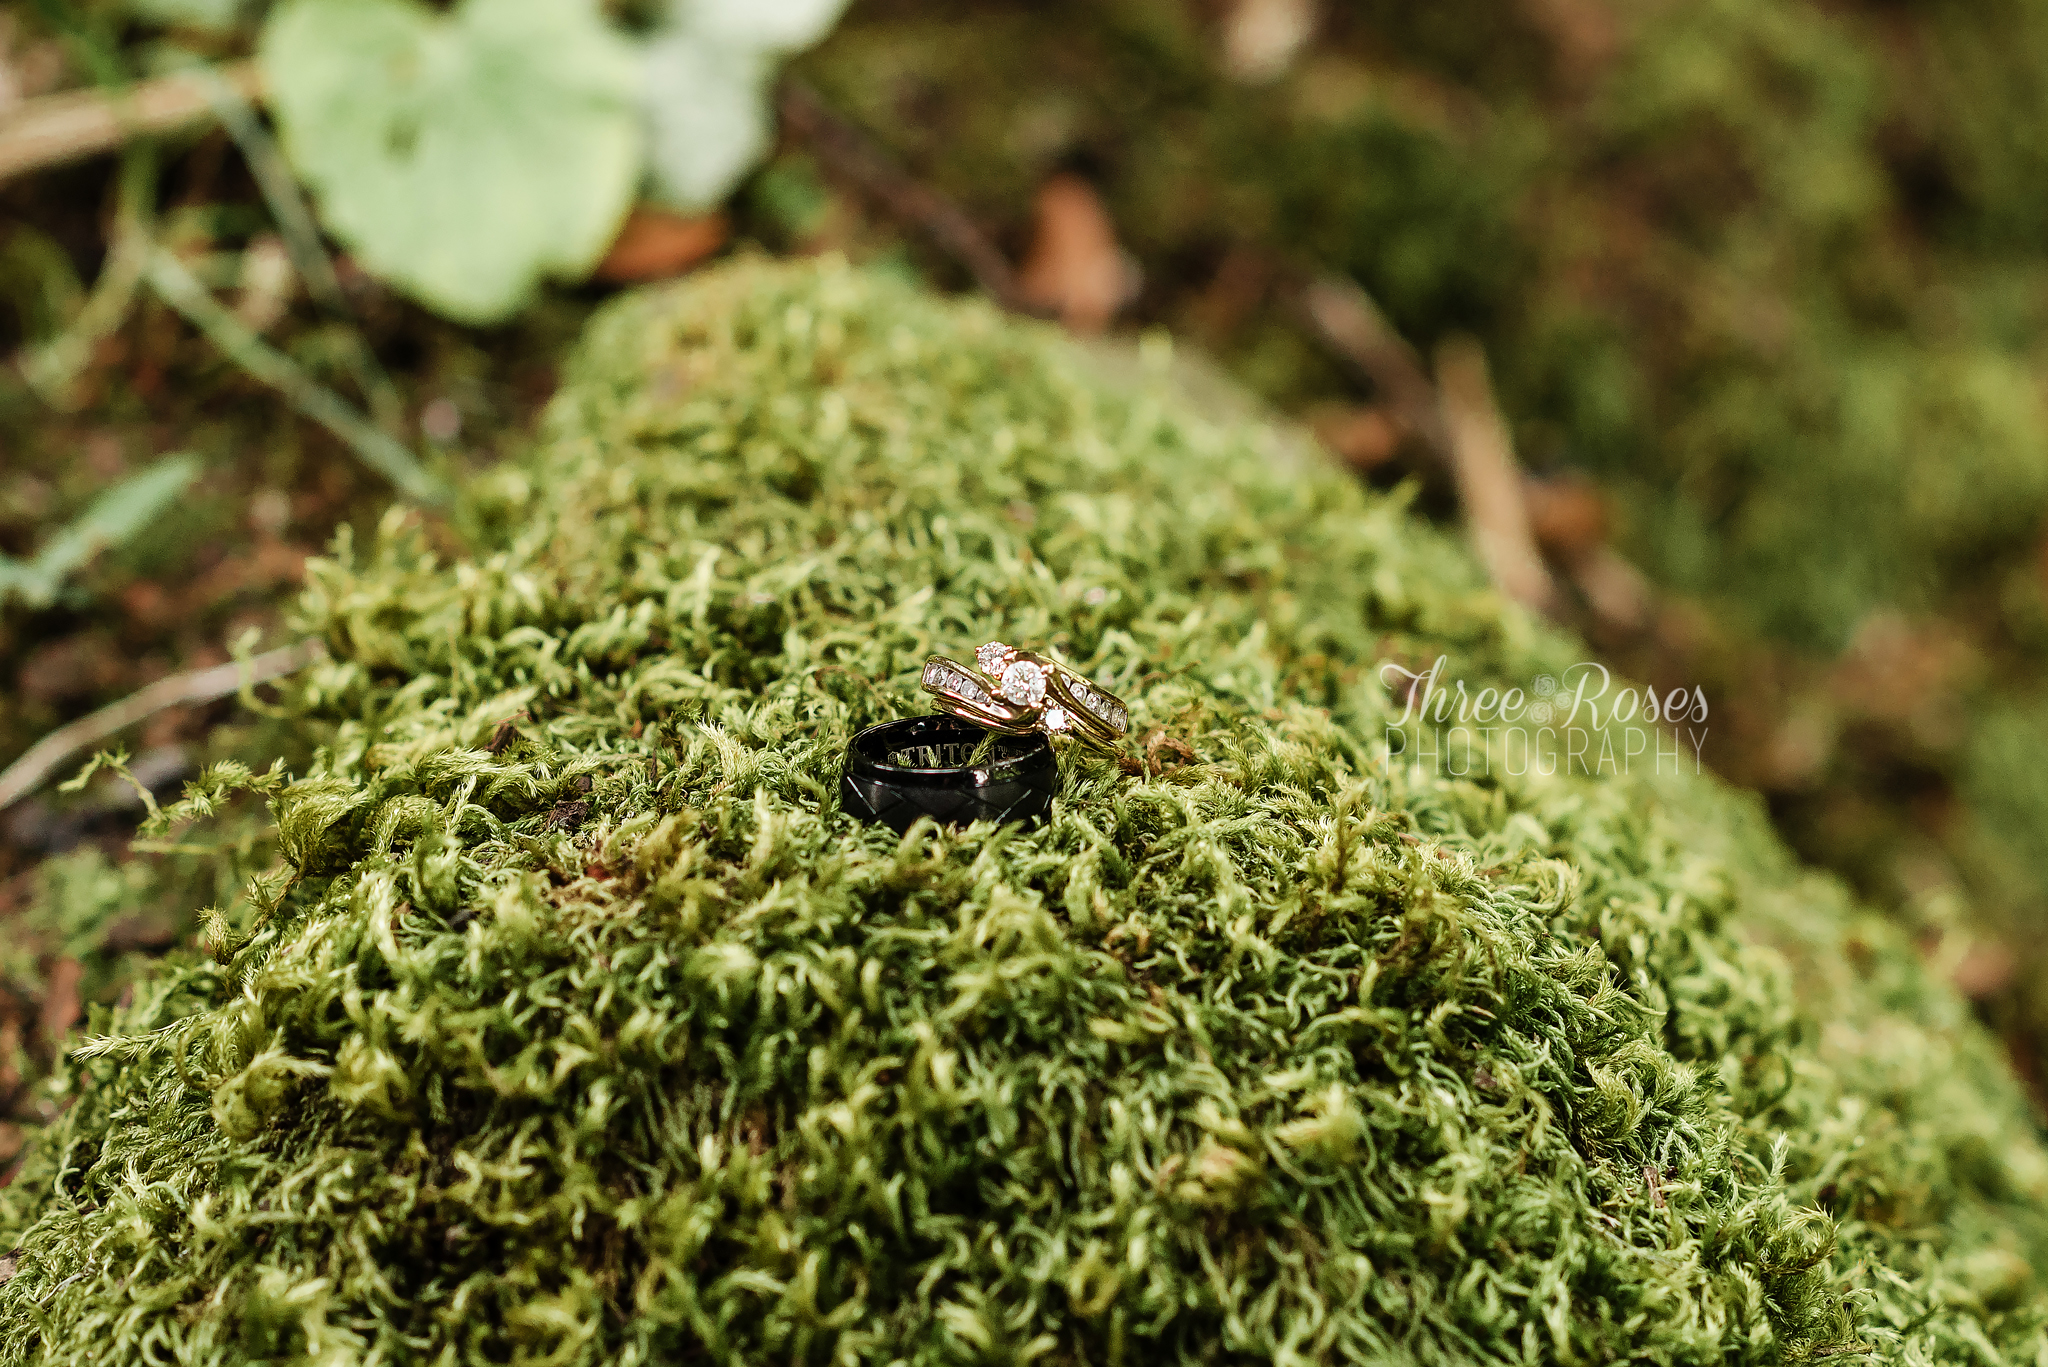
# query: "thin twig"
376,448
80,123
853,156
54,129
40,760
1489,480
1454,426
280,191
1347,321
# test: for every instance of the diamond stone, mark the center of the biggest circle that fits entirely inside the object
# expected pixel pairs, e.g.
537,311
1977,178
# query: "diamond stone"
993,656
1101,704
940,674
1024,683
1055,719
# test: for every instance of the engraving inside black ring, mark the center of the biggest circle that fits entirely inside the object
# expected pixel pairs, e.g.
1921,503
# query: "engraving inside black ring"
944,755
941,752
900,772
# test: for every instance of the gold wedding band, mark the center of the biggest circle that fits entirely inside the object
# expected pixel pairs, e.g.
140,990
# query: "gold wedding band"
1015,691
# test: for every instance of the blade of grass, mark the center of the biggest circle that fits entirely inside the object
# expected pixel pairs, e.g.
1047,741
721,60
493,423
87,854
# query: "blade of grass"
175,285
52,367
116,516
280,190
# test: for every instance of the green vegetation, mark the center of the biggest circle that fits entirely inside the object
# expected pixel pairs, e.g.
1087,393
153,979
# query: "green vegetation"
1730,256
578,1026
468,154
114,518
462,156
1768,271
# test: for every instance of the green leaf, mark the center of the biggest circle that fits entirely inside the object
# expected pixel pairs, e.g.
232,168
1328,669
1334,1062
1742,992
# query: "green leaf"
461,157
708,73
707,111
766,26
112,519
209,15
39,281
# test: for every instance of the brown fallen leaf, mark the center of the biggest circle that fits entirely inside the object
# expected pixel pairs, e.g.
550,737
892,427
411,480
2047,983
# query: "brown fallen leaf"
503,735
566,816
1157,740
654,244
1985,969
1364,436
1076,270
1566,512
61,1006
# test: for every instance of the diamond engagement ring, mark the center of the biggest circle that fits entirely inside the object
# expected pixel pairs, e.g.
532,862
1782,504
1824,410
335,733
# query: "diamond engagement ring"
1014,691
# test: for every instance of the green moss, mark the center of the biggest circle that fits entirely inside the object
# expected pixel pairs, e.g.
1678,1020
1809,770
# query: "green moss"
615,1042
1766,270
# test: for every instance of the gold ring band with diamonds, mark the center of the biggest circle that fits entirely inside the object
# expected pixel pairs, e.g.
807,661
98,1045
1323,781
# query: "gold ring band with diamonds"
1019,690
970,695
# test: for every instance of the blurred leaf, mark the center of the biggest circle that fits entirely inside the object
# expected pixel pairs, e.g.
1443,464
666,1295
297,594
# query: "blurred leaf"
707,116
39,281
462,157
112,519
211,15
762,26
708,73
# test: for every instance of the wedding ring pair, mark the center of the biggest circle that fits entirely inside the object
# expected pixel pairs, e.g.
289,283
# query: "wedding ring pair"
1015,691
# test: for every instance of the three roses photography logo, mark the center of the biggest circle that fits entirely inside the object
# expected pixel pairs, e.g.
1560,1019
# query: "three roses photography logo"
1569,725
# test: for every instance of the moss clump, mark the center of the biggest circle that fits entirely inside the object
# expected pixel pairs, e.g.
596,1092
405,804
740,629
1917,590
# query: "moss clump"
601,1036
1767,270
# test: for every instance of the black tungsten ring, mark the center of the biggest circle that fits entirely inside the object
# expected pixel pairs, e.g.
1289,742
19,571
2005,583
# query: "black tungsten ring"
899,771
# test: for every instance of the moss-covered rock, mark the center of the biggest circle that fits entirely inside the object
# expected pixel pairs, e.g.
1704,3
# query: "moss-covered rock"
586,1029
1767,270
